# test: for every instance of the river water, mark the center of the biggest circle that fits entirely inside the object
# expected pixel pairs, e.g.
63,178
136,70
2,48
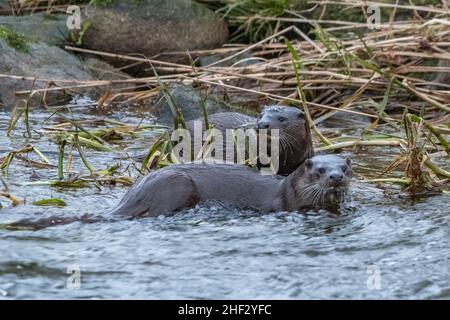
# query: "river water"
381,245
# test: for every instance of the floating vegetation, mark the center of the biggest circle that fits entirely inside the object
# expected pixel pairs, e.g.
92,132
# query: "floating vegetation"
14,200
53,202
13,227
4,165
76,136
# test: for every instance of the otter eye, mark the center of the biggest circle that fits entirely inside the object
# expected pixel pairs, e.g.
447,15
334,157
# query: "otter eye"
344,169
321,170
281,119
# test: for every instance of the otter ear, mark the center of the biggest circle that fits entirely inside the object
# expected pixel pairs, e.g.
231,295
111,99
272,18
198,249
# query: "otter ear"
301,115
308,163
349,161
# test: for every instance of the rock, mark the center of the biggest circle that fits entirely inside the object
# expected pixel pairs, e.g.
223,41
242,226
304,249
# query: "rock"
149,27
28,65
188,101
39,27
5,7
101,70
241,60
39,61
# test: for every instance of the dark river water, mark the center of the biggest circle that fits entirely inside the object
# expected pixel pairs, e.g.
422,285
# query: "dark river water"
381,245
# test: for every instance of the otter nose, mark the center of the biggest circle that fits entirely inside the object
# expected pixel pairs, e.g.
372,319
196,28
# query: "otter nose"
336,177
263,125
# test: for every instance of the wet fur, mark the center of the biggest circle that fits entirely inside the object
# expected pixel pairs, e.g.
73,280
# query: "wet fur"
184,185
295,136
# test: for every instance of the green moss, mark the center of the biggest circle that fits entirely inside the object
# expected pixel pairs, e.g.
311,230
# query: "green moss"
14,40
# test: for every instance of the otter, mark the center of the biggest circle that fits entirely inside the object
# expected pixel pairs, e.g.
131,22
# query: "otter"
322,180
294,133
295,136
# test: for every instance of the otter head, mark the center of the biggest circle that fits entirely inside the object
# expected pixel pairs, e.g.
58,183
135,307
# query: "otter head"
295,141
279,117
325,180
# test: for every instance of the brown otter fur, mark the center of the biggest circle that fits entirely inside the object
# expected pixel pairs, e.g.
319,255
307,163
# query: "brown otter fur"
295,136
321,180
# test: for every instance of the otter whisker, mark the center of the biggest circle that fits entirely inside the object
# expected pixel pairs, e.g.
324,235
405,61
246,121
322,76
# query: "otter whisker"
317,195
288,140
322,194
308,189
287,144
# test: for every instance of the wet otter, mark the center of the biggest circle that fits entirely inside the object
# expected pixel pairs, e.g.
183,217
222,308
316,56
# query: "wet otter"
295,136
322,180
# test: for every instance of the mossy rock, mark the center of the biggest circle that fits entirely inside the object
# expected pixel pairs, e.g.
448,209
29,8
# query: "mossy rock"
38,27
41,63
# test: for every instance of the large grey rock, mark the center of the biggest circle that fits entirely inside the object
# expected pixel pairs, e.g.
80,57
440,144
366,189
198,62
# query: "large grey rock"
40,61
188,101
39,27
40,64
5,7
150,27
